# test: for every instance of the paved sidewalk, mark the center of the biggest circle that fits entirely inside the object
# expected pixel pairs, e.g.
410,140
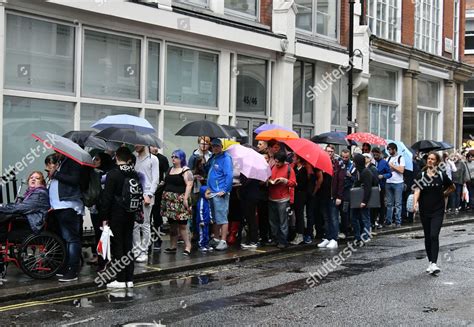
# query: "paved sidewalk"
19,286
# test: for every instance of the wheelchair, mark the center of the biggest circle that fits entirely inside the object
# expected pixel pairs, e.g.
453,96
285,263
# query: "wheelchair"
39,255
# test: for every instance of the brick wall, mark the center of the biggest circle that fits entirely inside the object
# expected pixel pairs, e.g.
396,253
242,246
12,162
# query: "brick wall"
344,30
448,25
408,22
470,4
266,12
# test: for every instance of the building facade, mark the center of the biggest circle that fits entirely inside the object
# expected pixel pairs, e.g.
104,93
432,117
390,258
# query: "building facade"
66,64
468,121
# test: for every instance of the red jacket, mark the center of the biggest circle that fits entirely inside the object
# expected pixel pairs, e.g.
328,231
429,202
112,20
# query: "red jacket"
281,191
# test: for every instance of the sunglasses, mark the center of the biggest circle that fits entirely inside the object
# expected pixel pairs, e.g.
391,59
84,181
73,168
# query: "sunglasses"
174,157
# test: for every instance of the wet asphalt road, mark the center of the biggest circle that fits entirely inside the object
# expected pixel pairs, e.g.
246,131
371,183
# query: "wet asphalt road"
382,283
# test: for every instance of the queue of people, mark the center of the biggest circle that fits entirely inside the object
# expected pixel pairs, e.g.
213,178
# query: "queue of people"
210,206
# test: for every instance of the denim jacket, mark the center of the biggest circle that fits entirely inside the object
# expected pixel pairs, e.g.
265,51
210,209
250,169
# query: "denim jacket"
34,207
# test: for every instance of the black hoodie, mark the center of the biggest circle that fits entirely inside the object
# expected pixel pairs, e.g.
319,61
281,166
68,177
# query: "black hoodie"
113,188
364,178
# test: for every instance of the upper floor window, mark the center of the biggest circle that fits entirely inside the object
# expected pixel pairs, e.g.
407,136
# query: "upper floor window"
245,8
383,17
428,25
456,30
201,3
469,47
317,17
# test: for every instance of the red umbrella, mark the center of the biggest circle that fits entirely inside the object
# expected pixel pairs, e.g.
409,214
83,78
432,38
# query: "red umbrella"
312,153
366,138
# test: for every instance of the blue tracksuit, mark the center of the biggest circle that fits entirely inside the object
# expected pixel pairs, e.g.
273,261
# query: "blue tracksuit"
204,216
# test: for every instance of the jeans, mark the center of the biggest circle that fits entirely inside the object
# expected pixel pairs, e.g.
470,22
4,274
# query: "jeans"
299,206
142,233
278,216
361,218
263,223
70,226
332,220
470,187
458,198
393,200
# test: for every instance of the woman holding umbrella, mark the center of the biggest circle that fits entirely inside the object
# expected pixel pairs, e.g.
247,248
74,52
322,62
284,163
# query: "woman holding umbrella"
432,186
176,201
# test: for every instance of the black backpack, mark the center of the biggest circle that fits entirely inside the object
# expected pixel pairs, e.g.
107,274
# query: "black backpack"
91,187
132,194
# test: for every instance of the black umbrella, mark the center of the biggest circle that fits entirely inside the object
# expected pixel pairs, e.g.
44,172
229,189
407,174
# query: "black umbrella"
122,135
153,140
203,128
426,146
235,131
336,138
444,146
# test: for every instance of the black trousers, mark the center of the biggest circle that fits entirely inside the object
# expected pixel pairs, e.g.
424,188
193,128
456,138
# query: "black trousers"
432,226
121,247
250,210
380,212
321,213
299,205
263,222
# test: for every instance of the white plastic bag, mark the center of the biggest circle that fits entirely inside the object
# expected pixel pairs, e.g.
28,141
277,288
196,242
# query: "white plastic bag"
103,247
465,194
410,203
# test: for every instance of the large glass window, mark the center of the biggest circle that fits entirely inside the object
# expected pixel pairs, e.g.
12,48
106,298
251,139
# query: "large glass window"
191,77
39,55
469,38
90,113
153,72
383,103
303,78
427,25
251,85
318,16
173,123
428,109
242,7
384,17
469,94
23,116
111,67
339,105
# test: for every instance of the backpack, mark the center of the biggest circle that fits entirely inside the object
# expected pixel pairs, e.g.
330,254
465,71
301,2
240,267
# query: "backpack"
91,191
132,194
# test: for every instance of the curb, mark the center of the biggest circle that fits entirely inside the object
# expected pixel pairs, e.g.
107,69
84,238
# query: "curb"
218,262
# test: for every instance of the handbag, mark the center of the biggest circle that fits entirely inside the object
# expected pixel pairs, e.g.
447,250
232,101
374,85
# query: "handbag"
357,195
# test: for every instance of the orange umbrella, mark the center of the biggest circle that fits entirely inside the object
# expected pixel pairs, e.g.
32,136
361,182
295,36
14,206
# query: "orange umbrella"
277,134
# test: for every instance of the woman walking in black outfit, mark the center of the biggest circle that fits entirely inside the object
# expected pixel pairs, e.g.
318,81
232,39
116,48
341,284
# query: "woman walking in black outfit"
432,186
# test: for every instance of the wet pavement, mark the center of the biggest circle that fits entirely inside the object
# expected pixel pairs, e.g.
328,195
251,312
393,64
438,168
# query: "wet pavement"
380,283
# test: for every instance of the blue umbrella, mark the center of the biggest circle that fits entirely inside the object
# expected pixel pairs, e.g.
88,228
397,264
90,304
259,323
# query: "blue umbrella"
138,124
267,127
405,152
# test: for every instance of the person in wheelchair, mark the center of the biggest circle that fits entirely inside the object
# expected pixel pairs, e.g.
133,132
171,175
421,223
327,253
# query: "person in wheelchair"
33,205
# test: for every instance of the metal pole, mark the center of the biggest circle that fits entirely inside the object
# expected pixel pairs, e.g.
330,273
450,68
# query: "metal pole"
350,84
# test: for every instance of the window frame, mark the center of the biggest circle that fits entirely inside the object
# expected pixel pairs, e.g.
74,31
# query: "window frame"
468,33
387,22
189,3
314,28
239,14
430,110
165,86
456,29
420,19
74,53
140,70
304,124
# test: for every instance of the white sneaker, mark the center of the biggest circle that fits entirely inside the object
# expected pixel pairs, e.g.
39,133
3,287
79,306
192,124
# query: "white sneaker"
428,270
116,284
332,244
435,269
323,244
221,246
342,236
129,284
298,239
142,258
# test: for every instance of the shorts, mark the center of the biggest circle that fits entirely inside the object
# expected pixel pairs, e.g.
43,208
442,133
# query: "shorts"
220,209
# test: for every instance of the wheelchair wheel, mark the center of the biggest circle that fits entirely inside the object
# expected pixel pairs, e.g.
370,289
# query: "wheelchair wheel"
42,255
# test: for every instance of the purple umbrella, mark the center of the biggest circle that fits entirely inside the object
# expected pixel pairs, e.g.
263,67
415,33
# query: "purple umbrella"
249,162
267,127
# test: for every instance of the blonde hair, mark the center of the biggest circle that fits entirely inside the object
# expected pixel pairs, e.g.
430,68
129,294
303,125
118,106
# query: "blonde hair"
206,139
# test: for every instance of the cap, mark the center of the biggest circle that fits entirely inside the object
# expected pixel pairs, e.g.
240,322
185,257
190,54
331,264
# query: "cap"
216,141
